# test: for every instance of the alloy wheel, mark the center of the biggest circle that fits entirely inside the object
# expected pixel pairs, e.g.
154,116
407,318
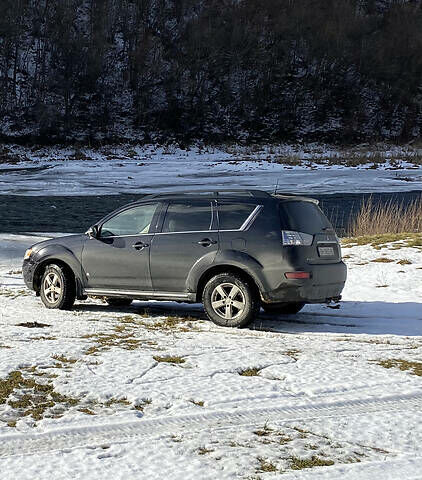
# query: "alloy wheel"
228,301
52,287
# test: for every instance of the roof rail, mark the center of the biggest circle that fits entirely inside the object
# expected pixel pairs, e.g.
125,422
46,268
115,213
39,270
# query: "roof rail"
212,192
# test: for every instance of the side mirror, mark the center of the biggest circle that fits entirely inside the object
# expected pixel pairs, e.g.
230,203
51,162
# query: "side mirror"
93,232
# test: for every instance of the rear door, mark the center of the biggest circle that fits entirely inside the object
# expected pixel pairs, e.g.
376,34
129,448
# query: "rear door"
307,217
188,235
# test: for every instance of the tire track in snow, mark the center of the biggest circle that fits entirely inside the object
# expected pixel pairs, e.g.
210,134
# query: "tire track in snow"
65,438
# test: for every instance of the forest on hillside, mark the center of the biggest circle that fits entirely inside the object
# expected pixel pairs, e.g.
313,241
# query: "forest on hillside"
217,70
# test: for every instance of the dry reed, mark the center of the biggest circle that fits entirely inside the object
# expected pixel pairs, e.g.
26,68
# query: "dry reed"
375,219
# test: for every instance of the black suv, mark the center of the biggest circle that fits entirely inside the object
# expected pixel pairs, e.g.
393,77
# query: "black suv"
234,251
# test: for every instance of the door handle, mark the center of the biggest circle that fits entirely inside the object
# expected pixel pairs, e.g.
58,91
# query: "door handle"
140,245
206,242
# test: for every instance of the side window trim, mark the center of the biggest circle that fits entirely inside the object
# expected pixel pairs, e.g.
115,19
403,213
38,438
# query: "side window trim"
213,222
246,224
154,220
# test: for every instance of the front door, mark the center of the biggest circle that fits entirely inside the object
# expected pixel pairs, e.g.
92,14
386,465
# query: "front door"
188,236
119,258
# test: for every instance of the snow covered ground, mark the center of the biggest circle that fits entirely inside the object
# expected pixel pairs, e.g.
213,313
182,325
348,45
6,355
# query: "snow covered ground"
155,391
296,169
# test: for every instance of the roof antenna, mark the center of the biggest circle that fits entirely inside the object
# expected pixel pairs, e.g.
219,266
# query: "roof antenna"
276,187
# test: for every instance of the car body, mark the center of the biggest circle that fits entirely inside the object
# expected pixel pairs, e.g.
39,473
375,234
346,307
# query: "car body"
169,246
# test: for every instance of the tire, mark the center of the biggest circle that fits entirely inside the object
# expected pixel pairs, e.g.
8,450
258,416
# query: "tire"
58,289
119,301
225,288
289,308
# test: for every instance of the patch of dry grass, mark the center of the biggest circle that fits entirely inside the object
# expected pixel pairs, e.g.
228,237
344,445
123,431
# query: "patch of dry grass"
391,218
265,465
33,325
122,336
382,260
140,406
414,368
29,397
13,293
404,261
204,450
297,463
292,353
250,372
381,240
64,359
169,359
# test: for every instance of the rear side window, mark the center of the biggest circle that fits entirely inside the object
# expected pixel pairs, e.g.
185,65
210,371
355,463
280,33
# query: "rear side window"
184,217
232,216
303,217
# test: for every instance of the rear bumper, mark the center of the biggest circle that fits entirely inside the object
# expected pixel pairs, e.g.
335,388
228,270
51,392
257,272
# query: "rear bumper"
326,284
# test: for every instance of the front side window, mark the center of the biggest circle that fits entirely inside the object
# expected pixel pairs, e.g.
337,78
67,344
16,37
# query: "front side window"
232,216
188,217
134,221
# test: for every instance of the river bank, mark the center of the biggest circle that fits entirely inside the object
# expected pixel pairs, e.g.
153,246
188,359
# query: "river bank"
22,213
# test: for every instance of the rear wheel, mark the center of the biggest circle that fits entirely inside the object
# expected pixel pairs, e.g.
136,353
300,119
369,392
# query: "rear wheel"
58,288
230,300
118,301
288,308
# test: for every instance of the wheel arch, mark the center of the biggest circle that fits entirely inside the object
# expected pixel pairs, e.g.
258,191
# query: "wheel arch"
225,268
40,269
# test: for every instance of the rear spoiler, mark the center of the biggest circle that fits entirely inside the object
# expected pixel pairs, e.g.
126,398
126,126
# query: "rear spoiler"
292,196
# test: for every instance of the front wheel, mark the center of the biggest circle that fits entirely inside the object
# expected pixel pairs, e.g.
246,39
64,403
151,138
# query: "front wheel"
57,288
289,308
230,300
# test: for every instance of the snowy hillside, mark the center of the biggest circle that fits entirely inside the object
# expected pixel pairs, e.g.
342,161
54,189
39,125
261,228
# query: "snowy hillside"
155,391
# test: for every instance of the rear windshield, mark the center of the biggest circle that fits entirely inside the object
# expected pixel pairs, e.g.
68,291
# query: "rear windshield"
303,217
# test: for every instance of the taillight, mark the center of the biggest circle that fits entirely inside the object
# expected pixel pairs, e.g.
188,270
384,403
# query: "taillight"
297,275
296,238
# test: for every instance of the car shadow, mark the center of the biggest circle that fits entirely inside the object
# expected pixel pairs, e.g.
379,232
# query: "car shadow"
372,318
